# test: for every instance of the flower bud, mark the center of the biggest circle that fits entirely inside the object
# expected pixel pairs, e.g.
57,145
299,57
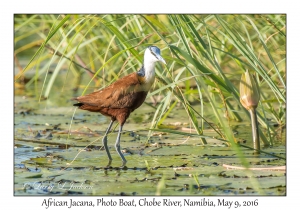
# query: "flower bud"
249,91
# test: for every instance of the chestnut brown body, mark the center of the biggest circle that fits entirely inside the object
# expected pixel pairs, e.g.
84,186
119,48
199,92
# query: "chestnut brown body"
117,100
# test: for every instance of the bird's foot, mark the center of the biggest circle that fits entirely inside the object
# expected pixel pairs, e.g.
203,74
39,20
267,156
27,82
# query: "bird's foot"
123,165
108,164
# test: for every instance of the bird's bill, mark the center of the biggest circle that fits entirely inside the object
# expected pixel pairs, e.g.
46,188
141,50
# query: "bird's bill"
161,59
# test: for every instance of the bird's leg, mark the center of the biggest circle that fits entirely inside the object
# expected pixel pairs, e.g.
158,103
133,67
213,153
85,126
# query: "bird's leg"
104,141
117,146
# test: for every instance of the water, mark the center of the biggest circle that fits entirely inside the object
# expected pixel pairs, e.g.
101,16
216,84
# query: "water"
45,166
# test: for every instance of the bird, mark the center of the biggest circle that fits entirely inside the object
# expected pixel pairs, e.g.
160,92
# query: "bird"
122,97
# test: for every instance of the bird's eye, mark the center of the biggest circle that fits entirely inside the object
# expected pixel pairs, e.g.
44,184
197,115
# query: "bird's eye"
154,51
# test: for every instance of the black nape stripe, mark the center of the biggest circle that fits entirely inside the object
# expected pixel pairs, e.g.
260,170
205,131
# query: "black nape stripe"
153,53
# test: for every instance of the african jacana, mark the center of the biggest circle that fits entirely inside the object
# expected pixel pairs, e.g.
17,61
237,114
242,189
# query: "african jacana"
123,96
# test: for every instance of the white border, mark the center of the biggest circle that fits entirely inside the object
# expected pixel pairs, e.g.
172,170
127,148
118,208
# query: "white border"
151,6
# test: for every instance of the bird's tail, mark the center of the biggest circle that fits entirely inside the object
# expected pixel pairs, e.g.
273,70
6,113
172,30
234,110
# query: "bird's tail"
78,104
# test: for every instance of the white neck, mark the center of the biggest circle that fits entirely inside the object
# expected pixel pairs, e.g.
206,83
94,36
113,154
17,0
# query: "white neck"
149,66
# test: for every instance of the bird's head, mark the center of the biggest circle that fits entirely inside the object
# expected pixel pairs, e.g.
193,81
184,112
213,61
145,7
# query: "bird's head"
152,54
147,72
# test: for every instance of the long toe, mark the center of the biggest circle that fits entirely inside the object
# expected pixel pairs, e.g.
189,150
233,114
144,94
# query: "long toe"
123,164
108,164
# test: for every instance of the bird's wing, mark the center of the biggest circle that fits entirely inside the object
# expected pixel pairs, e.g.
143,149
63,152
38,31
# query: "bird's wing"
120,94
